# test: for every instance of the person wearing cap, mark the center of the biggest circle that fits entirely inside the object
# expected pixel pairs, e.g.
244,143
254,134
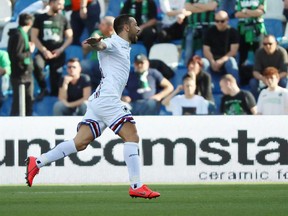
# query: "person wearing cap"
274,99
141,91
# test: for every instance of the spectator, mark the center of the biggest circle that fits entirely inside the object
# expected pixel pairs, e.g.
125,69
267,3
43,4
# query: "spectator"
203,79
270,55
74,91
274,99
20,49
5,71
201,18
220,50
51,34
85,14
250,26
90,65
189,103
236,101
172,23
145,13
142,87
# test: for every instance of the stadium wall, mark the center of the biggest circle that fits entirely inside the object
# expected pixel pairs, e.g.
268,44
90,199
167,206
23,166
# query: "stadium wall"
184,149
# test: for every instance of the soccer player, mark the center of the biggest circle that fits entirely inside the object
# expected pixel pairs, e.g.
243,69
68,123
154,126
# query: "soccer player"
105,108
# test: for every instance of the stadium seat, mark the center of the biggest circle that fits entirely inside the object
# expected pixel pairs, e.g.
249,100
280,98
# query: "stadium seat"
5,36
135,50
179,73
217,98
5,12
114,7
166,52
274,9
73,51
44,107
215,83
274,27
6,106
19,6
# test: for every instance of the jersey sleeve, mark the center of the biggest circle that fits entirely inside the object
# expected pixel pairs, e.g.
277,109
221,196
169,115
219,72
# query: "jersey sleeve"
109,45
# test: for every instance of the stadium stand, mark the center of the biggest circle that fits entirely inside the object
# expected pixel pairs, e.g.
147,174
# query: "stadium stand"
274,27
44,107
5,12
136,49
273,18
166,52
179,73
6,107
19,6
73,51
5,36
114,7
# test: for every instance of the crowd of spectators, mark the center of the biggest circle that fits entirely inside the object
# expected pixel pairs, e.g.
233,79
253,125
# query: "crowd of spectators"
215,39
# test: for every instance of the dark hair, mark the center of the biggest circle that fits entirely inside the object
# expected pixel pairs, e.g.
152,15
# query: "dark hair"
120,21
25,19
73,60
195,59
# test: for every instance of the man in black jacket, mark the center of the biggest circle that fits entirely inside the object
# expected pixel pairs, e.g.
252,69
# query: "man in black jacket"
19,50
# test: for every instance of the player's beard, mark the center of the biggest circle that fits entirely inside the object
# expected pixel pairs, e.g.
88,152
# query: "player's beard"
55,10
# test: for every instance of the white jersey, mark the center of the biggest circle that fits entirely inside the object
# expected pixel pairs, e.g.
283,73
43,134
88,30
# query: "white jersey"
105,108
114,64
273,102
179,105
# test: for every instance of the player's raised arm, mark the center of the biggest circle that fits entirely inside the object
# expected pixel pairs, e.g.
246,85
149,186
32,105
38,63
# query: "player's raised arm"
95,42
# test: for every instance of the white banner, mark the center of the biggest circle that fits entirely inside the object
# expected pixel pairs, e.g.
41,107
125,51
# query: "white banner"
184,149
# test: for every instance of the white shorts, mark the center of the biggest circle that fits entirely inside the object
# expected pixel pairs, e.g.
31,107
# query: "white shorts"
105,112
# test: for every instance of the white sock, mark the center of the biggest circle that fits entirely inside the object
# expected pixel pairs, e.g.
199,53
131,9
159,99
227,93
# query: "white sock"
132,160
60,151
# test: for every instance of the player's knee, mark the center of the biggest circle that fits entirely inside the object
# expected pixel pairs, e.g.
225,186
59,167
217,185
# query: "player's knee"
80,146
133,137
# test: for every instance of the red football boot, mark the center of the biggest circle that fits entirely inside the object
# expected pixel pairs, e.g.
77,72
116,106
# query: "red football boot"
31,170
143,192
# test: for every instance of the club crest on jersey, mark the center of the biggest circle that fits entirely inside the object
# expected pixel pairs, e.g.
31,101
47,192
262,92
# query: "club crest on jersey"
125,109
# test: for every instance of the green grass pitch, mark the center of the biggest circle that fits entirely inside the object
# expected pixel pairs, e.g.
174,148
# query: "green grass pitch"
182,200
